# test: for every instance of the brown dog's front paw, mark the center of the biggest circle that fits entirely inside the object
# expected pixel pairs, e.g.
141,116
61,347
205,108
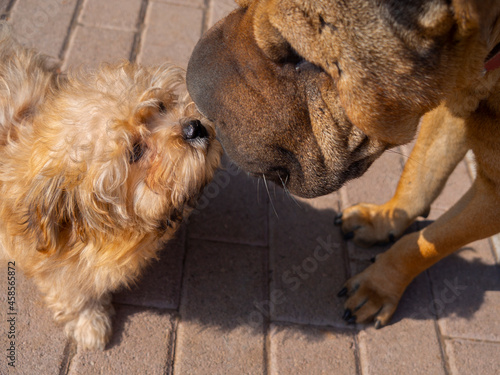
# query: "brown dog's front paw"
370,224
373,295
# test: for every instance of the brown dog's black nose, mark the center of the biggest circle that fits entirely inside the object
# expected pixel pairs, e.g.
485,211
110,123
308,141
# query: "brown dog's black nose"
194,129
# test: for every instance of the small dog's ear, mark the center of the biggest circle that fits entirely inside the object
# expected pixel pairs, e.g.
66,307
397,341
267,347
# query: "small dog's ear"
46,217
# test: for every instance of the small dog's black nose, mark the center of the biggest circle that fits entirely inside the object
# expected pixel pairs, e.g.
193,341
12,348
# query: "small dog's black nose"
194,129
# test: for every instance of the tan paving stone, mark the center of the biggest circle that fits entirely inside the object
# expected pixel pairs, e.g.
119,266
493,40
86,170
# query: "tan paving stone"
43,24
472,357
221,329
171,33
3,6
160,283
408,347
92,46
466,288
309,350
119,14
233,208
456,186
190,3
39,342
141,344
220,9
378,184
307,260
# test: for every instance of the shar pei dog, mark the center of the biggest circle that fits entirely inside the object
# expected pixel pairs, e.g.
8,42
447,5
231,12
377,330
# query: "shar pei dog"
308,93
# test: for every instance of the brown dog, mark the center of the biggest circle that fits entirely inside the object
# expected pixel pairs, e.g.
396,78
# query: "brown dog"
308,93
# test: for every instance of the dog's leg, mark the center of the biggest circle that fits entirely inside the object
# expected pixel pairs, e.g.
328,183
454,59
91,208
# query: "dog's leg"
375,292
85,314
440,146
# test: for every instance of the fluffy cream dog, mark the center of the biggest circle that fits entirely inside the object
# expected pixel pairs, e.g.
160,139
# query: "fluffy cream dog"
96,170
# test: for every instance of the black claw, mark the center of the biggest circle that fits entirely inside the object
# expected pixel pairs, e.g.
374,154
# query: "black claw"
338,220
351,320
378,324
347,315
348,236
425,215
342,292
392,238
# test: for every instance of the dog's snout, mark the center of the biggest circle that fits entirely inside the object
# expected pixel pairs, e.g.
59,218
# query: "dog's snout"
194,129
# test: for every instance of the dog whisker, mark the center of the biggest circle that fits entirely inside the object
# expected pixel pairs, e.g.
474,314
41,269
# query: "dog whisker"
269,195
258,191
288,191
407,157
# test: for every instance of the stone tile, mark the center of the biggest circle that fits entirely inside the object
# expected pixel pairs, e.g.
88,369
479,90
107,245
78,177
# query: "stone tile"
43,24
4,4
39,342
378,184
106,46
408,347
466,288
456,186
233,208
220,9
308,350
221,326
142,343
495,241
117,14
472,357
171,33
189,3
161,282
307,260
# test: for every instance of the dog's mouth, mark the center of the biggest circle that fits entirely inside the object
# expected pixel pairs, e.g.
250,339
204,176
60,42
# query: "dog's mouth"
296,184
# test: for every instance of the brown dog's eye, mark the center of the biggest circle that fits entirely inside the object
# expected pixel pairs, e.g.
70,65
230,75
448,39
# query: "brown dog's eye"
162,107
136,153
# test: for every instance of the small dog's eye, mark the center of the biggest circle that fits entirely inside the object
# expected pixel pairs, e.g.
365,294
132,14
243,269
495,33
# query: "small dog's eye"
162,107
136,153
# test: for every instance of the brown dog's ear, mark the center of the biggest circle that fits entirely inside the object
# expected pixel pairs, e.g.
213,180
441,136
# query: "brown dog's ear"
472,15
267,37
243,3
466,13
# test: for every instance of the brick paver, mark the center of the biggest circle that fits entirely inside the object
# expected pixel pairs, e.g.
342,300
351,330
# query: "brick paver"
131,350
249,284
464,357
299,349
222,322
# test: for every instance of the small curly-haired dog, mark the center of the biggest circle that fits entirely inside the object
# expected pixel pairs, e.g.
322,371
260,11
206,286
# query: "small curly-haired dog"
96,169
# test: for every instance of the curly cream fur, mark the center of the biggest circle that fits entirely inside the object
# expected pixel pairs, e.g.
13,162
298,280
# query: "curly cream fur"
78,215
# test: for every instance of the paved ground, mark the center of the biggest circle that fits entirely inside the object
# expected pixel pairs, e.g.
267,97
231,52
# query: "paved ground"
240,291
